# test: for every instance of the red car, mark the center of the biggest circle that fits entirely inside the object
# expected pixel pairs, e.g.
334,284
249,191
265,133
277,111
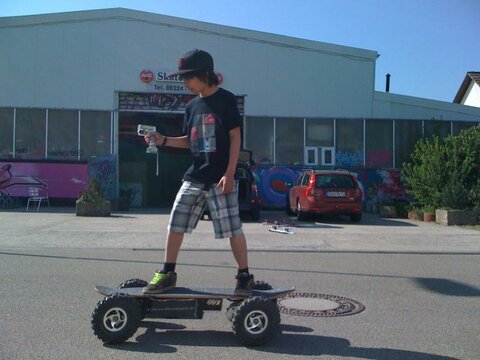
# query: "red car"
325,192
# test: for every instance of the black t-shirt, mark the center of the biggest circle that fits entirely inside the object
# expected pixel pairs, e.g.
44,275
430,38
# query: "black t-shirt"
207,123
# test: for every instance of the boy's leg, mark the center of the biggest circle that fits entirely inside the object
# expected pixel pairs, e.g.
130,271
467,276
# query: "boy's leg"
186,212
172,246
239,249
226,223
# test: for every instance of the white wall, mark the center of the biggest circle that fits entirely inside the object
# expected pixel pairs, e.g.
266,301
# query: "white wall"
472,95
79,59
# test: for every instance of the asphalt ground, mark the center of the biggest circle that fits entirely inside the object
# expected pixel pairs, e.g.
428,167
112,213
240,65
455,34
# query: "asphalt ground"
421,300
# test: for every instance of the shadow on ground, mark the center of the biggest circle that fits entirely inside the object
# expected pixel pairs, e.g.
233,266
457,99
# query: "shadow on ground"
293,341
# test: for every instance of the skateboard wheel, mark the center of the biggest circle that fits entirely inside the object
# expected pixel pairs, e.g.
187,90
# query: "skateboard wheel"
231,310
262,285
255,320
116,318
133,283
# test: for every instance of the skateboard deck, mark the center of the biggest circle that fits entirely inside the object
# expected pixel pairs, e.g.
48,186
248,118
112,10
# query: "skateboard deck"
282,229
194,293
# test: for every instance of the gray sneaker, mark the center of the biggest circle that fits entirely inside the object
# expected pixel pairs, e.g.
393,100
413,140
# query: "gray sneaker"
244,284
161,282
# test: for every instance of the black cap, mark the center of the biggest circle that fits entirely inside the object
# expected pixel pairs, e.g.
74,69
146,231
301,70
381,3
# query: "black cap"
194,60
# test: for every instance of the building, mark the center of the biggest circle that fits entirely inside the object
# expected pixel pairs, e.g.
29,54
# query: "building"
76,85
469,92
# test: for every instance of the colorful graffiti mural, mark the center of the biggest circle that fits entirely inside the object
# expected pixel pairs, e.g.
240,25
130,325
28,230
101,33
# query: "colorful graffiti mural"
103,168
377,185
348,159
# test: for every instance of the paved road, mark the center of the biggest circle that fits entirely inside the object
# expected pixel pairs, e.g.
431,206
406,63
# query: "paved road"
147,231
421,301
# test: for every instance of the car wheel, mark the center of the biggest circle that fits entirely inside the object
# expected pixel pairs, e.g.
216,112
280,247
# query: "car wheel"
288,208
356,217
255,213
301,215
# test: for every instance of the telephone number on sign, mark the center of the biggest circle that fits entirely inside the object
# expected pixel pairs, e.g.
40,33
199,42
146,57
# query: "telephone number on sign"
170,88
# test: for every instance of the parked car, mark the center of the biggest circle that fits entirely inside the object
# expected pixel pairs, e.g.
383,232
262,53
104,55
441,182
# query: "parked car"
325,192
249,200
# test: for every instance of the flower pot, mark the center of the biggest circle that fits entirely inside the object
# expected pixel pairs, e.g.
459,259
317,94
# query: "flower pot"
388,211
415,215
93,209
428,217
456,217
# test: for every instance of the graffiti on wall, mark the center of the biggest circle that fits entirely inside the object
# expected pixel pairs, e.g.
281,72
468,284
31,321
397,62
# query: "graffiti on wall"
161,101
348,159
382,158
103,168
377,185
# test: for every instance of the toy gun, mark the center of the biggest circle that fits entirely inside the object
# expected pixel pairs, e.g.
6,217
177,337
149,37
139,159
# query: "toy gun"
143,130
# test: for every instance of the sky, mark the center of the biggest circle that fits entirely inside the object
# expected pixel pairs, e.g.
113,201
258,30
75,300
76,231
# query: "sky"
427,46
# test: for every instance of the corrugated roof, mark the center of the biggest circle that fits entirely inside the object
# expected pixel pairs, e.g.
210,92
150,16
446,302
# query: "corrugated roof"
471,76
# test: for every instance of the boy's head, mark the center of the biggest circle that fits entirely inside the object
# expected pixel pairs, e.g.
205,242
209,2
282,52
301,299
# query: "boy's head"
197,64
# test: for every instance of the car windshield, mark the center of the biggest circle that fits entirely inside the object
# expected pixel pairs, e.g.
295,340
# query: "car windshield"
334,181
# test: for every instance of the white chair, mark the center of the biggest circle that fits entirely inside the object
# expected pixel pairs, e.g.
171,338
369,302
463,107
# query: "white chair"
34,196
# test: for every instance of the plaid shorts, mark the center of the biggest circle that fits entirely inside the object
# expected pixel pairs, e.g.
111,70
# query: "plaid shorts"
190,204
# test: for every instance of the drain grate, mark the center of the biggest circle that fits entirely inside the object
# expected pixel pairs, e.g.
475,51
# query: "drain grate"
318,305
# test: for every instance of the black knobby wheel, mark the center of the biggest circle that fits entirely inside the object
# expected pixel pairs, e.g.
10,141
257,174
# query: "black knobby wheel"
257,285
116,318
262,285
231,309
255,320
133,283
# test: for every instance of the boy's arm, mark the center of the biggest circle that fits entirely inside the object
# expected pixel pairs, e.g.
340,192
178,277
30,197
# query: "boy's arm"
235,140
227,182
175,142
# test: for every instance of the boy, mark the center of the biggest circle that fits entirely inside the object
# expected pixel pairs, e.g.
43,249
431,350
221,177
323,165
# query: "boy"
212,127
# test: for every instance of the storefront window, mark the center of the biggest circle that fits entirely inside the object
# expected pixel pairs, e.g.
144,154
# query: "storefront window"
439,128
289,141
407,133
379,143
95,133
458,126
30,134
259,138
349,142
6,133
62,135
319,132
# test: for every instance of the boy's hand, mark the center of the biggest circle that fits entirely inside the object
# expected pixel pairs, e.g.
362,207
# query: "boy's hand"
158,138
226,183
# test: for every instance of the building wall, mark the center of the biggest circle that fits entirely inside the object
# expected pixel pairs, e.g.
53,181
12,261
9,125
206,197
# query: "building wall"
394,106
472,96
77,60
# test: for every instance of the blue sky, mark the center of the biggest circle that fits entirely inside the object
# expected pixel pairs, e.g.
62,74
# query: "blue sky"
426,45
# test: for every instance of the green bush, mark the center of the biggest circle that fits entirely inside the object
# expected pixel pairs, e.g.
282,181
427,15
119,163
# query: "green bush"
445,175
425,176
455,196
92,194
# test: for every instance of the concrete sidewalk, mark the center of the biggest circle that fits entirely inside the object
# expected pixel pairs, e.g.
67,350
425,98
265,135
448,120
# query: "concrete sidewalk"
146,229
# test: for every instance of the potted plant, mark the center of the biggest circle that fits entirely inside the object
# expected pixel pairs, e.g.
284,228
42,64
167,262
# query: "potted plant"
388,209
428,214
415,213
91,201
